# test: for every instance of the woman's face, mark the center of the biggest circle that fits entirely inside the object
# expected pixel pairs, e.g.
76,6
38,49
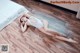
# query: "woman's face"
24,19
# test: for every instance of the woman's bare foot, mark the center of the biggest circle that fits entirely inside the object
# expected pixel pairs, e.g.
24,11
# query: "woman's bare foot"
72,41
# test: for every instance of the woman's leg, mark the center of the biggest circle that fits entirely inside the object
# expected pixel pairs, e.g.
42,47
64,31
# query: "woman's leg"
46,26
57,36
61,37
45,32
47,29
65,39
50,32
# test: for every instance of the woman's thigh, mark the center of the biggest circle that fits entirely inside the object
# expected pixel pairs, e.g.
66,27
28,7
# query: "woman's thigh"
45,31
51,31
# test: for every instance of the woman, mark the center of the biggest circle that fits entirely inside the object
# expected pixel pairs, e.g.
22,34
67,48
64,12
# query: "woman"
42,25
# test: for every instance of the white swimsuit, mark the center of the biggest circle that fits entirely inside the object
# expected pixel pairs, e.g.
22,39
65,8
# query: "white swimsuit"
35,22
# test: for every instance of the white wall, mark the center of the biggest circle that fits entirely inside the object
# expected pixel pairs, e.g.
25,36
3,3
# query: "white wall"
74,7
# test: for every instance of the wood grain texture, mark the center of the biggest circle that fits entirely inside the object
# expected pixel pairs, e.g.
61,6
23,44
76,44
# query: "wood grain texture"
34,41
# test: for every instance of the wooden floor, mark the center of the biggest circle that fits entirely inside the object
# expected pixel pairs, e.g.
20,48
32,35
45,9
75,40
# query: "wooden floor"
33,41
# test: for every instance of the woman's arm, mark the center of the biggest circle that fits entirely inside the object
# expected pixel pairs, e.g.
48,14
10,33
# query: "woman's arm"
23,27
